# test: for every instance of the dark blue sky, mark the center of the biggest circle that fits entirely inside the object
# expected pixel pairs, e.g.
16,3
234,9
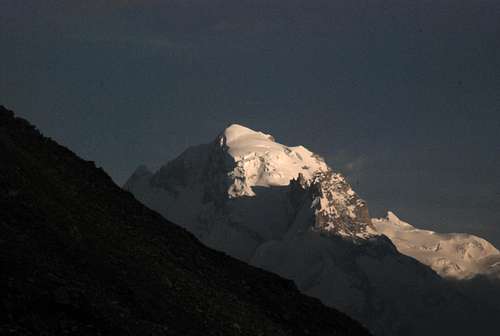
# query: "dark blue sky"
402,96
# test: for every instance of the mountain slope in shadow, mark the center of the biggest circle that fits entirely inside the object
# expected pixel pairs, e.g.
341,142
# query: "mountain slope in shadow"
78,255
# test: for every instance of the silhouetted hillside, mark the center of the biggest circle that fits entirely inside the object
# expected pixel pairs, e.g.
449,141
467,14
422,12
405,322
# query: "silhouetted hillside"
78,255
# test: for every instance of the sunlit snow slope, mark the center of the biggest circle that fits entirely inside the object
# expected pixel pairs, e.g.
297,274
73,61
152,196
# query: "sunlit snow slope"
453,255
260,161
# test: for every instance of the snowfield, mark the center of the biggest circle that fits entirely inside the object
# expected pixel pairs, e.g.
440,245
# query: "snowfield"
260,161
452,255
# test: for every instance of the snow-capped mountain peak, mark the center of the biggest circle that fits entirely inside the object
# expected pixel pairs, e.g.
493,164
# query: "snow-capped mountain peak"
282,208
394,219
237,134
258,160
240,163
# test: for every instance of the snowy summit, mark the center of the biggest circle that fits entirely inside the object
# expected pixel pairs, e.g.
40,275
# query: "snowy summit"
260,161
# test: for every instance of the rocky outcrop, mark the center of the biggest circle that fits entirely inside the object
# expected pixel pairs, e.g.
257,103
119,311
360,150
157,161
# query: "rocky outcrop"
337,208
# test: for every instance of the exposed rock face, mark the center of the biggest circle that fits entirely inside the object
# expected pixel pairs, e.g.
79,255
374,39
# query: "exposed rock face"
80,256
337,208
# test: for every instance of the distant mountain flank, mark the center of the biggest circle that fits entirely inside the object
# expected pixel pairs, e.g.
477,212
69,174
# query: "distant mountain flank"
80,256
452,255
282,208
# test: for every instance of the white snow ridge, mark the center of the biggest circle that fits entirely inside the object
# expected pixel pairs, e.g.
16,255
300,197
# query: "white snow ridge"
284,209
260,161
451,255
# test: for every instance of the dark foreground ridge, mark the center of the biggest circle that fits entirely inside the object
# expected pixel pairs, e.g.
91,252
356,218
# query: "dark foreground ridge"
80,256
